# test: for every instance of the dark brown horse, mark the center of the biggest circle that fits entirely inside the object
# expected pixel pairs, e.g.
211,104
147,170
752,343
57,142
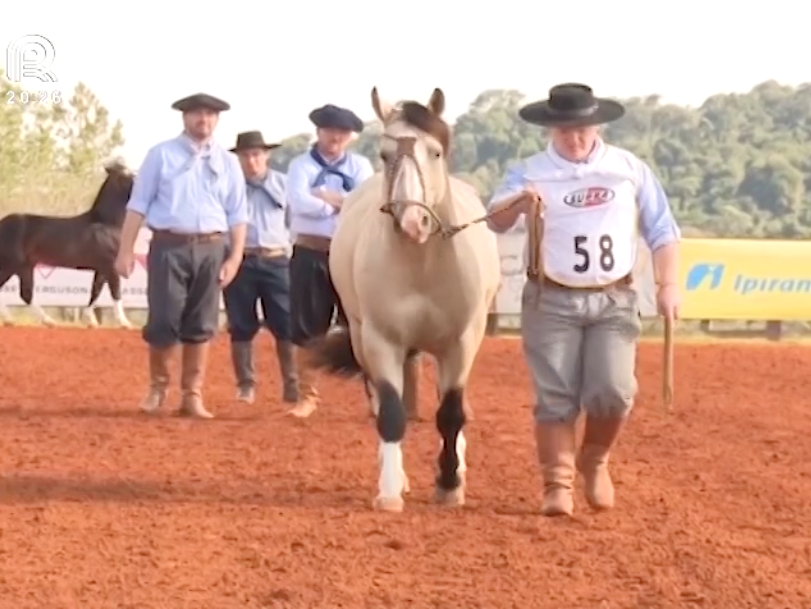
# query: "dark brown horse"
87,242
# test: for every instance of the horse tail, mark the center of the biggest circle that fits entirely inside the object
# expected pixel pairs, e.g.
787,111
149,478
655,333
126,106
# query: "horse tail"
333,353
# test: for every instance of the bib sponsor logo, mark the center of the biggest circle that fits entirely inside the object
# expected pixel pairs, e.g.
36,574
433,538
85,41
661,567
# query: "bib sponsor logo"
589,197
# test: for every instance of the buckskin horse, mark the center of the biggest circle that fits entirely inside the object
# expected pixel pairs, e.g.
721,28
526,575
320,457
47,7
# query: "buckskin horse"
88,241
419,277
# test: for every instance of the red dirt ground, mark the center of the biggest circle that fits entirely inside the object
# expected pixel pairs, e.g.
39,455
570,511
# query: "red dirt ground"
101,507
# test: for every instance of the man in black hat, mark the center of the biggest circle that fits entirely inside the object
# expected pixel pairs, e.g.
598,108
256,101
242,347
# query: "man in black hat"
191,193
318,181
264,274
580,320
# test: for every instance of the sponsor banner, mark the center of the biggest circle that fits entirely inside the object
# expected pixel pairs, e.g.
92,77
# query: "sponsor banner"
57,287
746,279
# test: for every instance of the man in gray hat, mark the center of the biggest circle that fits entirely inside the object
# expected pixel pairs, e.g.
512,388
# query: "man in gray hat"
191,193
318,181
580,319
264,275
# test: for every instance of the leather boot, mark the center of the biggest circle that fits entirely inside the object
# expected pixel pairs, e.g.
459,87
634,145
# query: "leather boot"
412,371
285,352
158,378
195,358
308,398
592,461
242,359
556,453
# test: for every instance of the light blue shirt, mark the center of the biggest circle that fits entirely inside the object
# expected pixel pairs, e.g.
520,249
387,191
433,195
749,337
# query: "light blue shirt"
656,222
186,189
267,207
309,215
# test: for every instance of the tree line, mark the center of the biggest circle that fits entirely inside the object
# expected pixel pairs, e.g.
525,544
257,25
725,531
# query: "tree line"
739,165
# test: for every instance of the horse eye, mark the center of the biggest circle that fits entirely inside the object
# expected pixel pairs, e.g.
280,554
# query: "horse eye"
384,157
437,154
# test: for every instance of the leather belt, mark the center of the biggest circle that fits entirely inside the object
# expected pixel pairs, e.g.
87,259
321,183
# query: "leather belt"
625,281
168,236
266,252
313,242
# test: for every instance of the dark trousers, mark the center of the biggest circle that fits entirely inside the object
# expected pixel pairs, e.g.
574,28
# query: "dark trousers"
313,300
268,281
183,291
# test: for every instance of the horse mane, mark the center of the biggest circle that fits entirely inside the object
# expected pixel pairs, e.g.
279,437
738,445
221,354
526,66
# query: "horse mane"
420,117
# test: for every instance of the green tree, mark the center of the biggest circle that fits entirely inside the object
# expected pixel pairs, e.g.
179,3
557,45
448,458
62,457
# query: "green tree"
52,154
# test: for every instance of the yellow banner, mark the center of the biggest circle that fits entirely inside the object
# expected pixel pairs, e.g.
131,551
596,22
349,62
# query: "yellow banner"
742,279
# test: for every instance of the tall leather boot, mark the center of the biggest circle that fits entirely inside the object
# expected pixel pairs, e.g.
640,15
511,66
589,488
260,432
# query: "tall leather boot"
308,398
592,461
412,371
195,358
285,352
556,453
242,359
158,378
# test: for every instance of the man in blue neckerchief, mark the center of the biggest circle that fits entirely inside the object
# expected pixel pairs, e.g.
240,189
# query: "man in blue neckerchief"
264,274
318,181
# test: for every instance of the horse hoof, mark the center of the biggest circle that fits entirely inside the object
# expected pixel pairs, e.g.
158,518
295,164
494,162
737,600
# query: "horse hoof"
388,504
454,498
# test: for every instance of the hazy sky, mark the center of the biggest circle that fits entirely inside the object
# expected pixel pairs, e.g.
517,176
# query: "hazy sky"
274,62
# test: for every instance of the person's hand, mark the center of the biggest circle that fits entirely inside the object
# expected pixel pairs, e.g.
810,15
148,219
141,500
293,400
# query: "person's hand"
125,264
229,270
530,196
329,197
668,300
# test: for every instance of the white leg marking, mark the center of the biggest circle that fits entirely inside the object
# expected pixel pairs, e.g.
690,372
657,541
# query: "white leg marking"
392,481
42,316
461,451
5,315
89,314
121,317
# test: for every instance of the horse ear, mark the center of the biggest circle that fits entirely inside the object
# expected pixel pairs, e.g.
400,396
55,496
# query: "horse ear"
381,107
437,102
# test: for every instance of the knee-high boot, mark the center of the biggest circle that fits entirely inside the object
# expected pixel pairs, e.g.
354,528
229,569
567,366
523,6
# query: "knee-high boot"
159,360
195,359
242,359
308,398
285,351
592,461
556,453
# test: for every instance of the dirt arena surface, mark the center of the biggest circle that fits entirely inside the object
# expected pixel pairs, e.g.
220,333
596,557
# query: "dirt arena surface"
103,507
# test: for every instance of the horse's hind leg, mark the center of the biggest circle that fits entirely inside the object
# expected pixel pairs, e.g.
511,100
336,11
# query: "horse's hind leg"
385,367
89,312
114,281
454,366
5,315
26,275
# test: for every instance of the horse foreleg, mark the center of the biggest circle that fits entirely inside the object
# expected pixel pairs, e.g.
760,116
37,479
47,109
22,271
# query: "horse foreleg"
26,275
5,315
385,368
454,365
114,281
89,312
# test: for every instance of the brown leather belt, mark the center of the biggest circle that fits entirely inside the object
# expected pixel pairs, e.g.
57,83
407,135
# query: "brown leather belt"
622,282
266,252
313,242
168,236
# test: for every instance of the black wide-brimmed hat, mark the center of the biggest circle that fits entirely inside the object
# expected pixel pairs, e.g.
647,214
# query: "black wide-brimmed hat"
334,117
201,100
252,139
571,105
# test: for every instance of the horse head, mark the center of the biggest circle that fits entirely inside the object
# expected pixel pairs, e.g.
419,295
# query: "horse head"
111,201
414,150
